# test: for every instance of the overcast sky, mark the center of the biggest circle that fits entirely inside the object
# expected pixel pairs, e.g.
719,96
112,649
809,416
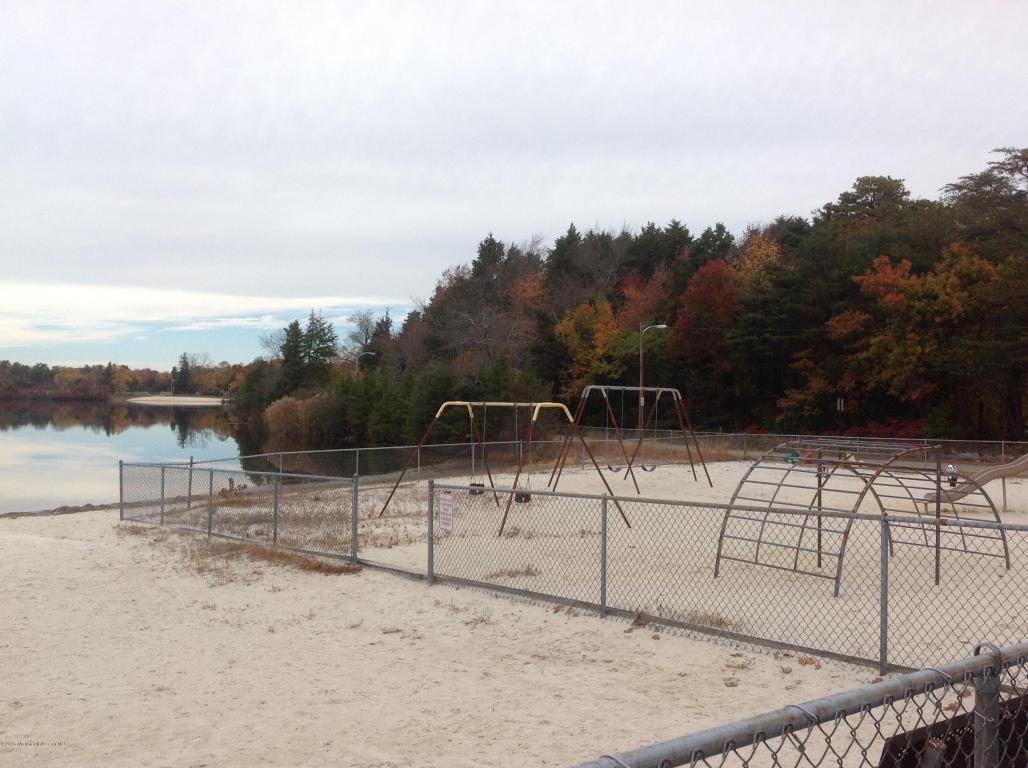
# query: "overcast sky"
297,155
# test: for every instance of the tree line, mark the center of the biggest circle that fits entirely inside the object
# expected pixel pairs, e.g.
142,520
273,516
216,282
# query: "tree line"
88,382
194,373
880,313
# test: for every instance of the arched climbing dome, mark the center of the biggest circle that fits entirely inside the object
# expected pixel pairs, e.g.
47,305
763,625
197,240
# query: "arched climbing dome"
818,484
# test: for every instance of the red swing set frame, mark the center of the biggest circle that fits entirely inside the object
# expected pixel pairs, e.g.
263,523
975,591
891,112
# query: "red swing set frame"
476,437
684,425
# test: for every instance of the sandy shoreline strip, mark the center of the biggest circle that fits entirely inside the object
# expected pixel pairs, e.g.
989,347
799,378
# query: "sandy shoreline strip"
127,650
180,401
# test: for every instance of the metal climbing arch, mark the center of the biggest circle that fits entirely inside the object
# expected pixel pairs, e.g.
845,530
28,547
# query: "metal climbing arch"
794,508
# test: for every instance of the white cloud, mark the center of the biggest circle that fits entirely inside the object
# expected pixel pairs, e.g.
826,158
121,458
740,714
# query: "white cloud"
18,331
263,322
39,315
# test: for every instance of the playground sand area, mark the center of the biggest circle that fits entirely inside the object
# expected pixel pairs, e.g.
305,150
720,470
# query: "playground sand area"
127,644
661,562
663,566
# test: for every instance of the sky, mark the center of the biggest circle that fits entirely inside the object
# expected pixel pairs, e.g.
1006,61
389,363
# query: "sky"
185,176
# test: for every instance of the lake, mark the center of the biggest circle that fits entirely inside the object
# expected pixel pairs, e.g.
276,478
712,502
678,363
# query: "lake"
66,453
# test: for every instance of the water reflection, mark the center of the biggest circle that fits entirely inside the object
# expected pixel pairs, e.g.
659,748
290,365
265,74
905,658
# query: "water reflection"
67,453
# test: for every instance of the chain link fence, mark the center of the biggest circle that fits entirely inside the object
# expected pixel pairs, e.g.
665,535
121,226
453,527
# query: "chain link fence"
655,560
305,513
632,556
380,465
653,557
971,712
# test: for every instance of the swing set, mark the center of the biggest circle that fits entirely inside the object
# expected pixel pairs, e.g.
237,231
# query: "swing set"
684,428
520,496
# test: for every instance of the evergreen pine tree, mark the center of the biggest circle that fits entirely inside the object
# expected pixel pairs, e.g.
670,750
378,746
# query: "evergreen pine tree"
183,376
291,352
319,347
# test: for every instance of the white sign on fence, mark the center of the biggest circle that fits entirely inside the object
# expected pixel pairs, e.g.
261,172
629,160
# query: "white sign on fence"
446,512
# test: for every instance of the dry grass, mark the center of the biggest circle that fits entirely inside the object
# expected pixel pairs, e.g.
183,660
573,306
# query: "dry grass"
666,453
514,573
277,556
133,529
216,557
709,619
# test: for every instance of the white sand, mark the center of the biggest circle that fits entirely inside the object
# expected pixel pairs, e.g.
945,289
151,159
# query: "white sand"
664,565
117,647
182,401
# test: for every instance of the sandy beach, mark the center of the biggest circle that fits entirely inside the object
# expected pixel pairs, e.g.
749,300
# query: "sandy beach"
128,645
179,401
664,565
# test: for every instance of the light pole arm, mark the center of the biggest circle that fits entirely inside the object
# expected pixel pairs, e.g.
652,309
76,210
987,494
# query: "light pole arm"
642,395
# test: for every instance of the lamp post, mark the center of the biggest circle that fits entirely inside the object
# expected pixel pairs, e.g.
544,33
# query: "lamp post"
357,361
642,396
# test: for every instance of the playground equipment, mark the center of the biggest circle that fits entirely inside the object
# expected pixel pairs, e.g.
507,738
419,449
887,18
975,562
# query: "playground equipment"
960,489
515,495
816,476
684,426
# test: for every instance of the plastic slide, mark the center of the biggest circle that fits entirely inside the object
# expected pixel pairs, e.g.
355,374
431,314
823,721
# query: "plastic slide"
980,478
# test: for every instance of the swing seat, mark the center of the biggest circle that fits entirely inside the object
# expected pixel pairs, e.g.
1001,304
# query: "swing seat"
522,497
476,489
644,468
614,469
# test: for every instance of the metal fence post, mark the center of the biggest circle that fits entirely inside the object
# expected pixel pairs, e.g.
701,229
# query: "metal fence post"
121,489
431,531
987,713
162,495
274,512
603,556
210,504
354,499
189,490
938,515
357,462
883,627
419,463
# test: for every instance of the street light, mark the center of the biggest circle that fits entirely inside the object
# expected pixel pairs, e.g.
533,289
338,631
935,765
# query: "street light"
642,396
357,361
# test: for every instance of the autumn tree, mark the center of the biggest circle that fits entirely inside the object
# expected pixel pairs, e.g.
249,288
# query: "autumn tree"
586,333
707,312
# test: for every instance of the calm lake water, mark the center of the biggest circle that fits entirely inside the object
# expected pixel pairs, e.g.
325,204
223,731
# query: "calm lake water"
54,454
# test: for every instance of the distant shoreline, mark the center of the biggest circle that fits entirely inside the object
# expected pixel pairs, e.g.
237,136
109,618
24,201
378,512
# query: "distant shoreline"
182,401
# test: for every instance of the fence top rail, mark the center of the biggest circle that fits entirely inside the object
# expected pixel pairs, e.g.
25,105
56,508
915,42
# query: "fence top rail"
654,431
647,500
363,449
243,472
796,718
923,520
